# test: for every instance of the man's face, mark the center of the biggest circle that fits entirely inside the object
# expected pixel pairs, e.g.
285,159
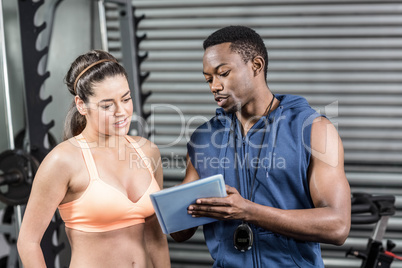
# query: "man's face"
229,78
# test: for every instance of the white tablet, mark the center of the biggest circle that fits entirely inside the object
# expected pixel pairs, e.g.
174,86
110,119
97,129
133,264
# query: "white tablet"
171,204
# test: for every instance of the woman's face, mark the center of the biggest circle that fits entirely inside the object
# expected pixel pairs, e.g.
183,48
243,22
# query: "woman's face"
110,108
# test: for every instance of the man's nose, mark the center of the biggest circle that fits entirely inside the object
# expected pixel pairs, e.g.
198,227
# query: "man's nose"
216,86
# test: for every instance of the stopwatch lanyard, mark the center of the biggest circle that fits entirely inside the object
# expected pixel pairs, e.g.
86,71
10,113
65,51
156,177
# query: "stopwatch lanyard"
250,194
243,236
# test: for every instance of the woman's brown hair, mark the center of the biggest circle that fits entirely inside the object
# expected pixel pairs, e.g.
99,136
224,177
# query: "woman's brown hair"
80,79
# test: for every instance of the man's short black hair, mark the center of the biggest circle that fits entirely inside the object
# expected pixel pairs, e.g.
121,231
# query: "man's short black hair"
244,41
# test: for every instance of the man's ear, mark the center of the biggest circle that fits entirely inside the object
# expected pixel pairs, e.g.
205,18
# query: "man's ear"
80,104
258,65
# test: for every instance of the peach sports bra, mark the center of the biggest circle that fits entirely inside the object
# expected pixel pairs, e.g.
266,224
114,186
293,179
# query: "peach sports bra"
102,207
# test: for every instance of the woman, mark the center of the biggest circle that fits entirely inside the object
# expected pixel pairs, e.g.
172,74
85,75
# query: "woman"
99,179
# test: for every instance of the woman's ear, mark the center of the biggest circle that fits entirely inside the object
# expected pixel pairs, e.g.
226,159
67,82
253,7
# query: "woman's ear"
258,65
80,104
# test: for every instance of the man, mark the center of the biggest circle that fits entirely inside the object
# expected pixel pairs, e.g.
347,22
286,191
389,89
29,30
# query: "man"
282,163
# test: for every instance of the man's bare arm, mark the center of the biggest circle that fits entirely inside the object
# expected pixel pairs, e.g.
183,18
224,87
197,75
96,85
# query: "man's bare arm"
327,222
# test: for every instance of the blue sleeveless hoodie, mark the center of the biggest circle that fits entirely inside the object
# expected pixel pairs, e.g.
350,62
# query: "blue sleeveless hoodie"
279,162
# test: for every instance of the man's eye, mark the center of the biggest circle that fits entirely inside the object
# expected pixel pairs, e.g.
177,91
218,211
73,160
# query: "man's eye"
208,79
224,74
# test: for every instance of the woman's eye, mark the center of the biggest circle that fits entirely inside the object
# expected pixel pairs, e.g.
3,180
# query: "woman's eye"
106,106
127,99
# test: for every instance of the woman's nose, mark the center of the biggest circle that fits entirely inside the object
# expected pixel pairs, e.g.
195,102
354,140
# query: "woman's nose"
119,110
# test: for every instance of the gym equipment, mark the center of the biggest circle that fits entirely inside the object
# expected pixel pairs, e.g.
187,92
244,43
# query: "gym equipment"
17,172
36,131
4,79
11,229
18,166
33,81
20,140
368,209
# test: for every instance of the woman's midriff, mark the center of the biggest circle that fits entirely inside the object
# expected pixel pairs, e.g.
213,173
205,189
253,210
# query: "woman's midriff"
118,248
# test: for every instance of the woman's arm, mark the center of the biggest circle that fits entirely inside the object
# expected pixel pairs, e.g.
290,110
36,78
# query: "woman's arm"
155,240
48,190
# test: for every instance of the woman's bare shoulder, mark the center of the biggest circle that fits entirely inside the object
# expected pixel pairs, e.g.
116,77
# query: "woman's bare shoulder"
63,157
149,148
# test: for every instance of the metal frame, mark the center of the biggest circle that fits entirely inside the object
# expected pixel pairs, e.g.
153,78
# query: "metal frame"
47,33
368,209
36,130
7,103
102,25
12,229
